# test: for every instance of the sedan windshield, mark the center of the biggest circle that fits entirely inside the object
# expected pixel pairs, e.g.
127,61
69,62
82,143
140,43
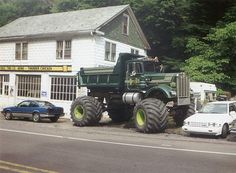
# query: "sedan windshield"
214,108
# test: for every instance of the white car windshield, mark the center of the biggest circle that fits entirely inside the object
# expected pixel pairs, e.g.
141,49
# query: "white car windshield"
214,108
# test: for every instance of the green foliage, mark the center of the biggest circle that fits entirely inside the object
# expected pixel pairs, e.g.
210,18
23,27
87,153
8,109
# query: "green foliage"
213,59
8,13
31,7
68,5
161,22
219,92
13,9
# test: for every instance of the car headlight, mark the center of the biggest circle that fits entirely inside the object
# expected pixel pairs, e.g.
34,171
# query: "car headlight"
186,122
214,124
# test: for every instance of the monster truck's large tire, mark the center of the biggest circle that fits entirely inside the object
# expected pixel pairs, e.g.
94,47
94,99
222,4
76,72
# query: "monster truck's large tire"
150,116
119,113
86,111
182,113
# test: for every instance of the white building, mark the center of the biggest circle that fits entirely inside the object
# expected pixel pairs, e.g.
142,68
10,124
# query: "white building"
41,55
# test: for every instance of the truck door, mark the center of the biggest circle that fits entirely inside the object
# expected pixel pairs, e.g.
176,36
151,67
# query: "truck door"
134,72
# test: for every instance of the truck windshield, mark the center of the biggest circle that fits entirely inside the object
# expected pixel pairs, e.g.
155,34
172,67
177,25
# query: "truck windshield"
214,108
150,66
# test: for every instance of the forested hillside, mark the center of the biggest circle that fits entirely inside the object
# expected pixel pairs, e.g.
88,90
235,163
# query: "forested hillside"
197,36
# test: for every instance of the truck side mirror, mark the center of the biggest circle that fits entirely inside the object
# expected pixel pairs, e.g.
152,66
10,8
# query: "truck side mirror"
133,73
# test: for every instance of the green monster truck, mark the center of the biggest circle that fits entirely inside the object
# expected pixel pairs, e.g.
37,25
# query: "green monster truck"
134,87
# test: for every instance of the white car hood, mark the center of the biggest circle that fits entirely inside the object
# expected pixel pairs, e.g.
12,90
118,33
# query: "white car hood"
209,118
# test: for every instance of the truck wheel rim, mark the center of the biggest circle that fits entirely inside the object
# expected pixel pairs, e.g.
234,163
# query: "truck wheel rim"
79,112
140,117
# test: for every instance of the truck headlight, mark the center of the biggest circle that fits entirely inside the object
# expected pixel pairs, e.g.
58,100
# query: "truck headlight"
173,93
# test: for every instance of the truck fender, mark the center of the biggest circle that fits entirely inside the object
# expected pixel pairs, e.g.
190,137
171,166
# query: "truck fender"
164,89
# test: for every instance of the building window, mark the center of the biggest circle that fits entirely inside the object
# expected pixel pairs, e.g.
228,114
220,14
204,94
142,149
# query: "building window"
63,88
125,27
110,51
63,49
134,51
4,84
28,86
21,51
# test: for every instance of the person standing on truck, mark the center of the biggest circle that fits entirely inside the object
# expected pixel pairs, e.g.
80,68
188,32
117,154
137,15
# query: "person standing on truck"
159,65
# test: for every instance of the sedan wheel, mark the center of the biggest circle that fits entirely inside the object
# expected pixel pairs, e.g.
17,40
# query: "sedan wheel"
8,115
36,117
225,130
54,119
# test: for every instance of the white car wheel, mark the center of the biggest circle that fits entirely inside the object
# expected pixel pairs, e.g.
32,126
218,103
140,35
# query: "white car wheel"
225,130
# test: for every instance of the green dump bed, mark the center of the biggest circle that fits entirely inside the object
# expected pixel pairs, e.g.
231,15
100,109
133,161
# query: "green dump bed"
99,77
106,77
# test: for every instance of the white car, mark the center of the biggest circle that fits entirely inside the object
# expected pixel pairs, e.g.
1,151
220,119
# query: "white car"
215,118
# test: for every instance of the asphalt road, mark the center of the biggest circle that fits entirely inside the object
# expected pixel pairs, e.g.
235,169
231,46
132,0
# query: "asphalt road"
28,147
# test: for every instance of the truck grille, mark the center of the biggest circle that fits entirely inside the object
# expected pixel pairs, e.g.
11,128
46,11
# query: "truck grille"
183,89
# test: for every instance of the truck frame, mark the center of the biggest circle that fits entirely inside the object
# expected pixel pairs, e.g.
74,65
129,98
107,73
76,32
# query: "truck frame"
134,87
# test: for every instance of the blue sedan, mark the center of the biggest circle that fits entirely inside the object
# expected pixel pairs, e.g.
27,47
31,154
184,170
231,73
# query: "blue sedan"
34,109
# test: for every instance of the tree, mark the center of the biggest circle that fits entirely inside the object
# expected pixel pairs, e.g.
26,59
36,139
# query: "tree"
8,12
13,9
213,57
32,7
69,5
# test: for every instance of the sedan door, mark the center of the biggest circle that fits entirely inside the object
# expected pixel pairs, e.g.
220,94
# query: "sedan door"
22,109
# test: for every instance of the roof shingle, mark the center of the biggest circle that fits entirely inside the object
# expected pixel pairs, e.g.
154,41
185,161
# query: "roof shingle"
74,21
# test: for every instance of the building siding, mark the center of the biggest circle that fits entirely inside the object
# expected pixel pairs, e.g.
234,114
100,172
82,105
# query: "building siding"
41,52
113,31
7,52
83,53
120,48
